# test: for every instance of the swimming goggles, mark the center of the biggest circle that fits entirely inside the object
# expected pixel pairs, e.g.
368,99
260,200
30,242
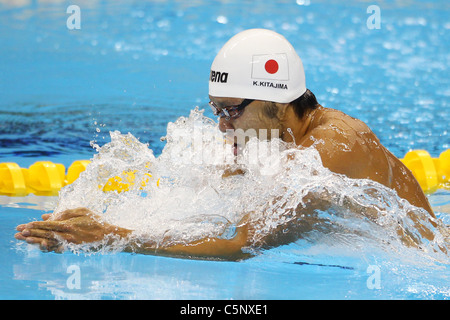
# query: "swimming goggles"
230,112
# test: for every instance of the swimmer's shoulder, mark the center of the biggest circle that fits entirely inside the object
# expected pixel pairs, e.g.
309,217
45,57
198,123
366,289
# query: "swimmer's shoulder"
328,117
344,144
336,125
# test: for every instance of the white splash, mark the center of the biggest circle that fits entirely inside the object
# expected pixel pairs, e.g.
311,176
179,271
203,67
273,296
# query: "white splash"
186,198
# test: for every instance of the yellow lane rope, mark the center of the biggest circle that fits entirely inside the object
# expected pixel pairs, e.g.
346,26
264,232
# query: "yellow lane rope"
47,178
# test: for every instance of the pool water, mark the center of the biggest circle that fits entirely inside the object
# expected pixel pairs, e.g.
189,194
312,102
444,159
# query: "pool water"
136,66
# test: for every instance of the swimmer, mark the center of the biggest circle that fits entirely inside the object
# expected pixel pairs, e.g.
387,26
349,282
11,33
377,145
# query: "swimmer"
257,82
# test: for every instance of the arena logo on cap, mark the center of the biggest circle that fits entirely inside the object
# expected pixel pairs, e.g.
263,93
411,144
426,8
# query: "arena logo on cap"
217,76
270,67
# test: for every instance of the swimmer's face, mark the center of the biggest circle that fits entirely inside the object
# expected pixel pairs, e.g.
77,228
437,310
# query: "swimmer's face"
258,117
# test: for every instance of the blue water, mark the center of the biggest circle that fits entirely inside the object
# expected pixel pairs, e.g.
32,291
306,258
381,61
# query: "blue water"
134,66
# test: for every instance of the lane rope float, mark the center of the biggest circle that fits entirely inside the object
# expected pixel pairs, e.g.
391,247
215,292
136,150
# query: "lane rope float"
431,173
46,178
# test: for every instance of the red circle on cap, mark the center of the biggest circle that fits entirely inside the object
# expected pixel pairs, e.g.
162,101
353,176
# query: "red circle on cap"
271,66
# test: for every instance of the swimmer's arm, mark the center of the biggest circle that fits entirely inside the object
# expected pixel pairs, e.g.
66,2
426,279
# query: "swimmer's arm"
228,172
207,247
83,226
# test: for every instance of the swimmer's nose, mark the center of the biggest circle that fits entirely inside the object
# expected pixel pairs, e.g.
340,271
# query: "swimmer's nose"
225,125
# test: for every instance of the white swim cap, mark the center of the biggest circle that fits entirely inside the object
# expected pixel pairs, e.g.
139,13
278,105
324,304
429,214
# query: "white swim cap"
257,64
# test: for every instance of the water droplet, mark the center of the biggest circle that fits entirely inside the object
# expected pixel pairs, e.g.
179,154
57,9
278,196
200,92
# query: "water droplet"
222,19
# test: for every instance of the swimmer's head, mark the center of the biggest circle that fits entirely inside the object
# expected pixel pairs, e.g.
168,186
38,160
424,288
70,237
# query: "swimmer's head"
257,83
257,64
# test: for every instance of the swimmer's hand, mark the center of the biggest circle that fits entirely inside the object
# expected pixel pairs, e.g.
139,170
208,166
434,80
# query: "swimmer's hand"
74,226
